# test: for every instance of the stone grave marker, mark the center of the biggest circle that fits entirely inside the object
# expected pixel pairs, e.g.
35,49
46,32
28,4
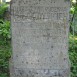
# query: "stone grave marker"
40,38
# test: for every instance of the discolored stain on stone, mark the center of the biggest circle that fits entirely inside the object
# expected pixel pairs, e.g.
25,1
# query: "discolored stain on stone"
27,75
51,46
38,61
36,73
65,59
26,62
32,75
22,61
52,56
16,55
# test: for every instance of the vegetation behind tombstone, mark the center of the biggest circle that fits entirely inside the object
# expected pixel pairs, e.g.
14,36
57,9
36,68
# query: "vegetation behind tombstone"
3,8
4,24
73,39
73,12
5,48
73,55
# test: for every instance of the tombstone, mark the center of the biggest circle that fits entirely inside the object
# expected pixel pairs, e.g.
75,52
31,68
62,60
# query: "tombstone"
40,38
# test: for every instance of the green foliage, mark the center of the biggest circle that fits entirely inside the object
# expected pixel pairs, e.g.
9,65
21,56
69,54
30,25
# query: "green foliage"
5,49
3,75
5,29
5,53
73,56
4,24
73,12
3,8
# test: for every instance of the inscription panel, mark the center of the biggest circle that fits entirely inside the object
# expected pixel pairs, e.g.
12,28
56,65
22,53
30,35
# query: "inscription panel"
39,12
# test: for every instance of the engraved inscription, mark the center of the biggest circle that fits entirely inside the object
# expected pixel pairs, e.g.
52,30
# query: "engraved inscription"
39,12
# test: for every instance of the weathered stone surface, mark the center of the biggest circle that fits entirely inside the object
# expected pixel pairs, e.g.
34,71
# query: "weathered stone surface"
40,38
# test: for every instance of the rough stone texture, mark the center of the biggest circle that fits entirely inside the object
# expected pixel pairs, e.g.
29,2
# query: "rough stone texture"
40,38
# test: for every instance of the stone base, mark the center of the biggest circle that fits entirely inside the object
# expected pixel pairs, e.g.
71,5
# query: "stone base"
25,72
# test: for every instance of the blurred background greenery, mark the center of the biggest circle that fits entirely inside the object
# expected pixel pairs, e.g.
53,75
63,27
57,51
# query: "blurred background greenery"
5,40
